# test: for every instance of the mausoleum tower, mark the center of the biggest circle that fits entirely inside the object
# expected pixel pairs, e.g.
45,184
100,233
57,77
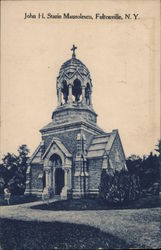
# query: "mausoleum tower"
74,85
74,90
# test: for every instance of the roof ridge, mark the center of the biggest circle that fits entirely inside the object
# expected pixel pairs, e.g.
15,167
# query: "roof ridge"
99,143
101,136
74,62
100,149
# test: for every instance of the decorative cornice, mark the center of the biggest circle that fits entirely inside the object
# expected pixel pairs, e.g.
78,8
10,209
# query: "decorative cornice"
73,107
68,77
73,124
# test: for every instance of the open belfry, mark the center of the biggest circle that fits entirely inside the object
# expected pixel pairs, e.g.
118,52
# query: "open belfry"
73,150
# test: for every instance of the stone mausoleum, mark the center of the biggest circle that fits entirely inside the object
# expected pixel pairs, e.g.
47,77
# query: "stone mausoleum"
73,151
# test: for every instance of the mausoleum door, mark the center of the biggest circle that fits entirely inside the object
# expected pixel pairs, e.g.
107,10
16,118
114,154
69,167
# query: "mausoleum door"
59,180
57,176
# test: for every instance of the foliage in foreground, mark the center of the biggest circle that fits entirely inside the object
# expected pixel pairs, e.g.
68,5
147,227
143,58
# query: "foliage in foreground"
13,171
119,188
141,179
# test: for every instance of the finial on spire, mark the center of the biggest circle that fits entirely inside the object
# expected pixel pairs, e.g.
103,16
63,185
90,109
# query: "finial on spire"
73,49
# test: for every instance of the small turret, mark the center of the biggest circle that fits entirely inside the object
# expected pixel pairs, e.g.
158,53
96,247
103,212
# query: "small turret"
74,84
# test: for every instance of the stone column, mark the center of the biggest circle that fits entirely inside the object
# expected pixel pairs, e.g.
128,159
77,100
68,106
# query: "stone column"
47,177
64,191
105,162
66,178
28,181
59,96
70,94
86,177
83,95
90,98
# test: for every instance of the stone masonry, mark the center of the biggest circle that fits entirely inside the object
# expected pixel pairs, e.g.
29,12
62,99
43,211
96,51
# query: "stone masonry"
74,149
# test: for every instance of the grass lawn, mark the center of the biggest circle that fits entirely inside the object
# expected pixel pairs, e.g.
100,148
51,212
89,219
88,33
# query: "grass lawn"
86,228
18,235
18,199
96,204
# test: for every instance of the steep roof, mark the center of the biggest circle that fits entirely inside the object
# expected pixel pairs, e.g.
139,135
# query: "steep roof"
60,145
72,65
101,144
36,156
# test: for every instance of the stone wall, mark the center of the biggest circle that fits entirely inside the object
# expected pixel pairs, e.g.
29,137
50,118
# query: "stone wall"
36,178
116,158
64,115
89,138
68,138
94,169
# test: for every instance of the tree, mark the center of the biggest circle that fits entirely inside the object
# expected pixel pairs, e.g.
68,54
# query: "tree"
104,184
22,165
3,174
158,149
13,171
119,188
147,169
149,172
133,163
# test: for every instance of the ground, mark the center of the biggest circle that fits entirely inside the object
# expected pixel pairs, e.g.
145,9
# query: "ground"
17,199
32,235
99,204
139,228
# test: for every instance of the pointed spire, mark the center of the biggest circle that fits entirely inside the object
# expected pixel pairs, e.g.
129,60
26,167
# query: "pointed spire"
73,49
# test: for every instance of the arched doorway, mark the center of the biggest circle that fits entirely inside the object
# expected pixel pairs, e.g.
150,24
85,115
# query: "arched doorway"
59,180
57,174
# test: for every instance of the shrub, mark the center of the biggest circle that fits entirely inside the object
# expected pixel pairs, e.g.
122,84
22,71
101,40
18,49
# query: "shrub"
119,188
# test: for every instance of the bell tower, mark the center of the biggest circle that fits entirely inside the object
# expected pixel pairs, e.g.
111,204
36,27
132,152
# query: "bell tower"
74,85
74,92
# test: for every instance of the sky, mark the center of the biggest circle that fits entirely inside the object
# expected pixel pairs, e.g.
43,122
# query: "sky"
122,57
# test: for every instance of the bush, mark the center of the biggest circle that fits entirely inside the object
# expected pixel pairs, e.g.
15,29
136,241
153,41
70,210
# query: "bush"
148,170
119,188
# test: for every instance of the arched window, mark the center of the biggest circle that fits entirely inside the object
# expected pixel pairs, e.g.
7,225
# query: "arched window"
77,90
57,162
65,91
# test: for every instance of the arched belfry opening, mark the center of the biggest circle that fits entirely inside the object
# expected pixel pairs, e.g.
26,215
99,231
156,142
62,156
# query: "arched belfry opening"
77,90
64,90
